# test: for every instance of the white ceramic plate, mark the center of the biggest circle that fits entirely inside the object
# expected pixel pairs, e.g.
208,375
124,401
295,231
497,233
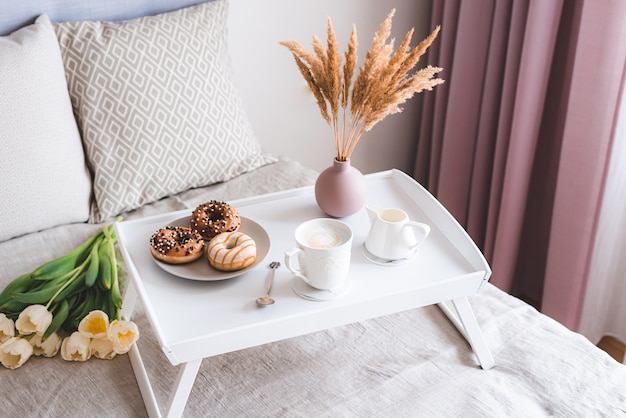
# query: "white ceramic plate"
202,270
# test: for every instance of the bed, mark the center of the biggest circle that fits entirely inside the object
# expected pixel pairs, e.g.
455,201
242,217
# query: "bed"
413,363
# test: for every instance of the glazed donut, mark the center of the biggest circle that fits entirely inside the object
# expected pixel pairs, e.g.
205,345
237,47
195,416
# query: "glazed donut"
214,217
230,251
176,245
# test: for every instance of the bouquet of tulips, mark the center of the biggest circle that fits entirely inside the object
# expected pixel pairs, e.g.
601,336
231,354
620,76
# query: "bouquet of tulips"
78,294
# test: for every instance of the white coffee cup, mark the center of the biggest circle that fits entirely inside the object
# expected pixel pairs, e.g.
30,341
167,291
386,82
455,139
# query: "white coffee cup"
323,253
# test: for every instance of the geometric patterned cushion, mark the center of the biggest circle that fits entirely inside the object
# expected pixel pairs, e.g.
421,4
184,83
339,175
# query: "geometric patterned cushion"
156,105
44,180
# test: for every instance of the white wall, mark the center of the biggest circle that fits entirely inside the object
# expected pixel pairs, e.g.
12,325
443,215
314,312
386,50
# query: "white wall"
281,108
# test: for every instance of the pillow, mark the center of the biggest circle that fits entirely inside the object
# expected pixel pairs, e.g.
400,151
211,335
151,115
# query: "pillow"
156,105
44,179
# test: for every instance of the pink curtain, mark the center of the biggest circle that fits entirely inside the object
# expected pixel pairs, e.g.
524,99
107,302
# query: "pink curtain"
516,143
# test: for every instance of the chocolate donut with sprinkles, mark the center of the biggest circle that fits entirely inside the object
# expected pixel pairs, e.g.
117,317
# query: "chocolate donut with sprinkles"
214,217
176,245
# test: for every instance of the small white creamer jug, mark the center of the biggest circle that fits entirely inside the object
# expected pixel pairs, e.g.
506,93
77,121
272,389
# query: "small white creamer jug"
393,236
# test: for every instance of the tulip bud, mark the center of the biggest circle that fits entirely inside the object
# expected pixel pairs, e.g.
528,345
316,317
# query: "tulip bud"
102,348
7,328
14,352
75,347
34,318
123,335
94,325
48,347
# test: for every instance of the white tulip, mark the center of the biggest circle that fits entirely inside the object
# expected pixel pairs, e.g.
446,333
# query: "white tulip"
94,325
48,347
7,328
34,318
14,352
75,347
123,335
102,348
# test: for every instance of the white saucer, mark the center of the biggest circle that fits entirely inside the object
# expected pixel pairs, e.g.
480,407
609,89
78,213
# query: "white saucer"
384,261
302,289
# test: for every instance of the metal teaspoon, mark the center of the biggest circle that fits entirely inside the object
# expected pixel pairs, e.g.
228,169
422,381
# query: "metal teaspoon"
267,300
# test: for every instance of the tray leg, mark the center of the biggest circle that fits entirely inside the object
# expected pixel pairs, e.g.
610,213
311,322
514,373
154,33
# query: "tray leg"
463,318
143,381
182,388
186,375
130,298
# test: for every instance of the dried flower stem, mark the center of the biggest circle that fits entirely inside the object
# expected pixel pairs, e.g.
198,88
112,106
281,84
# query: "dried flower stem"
382,84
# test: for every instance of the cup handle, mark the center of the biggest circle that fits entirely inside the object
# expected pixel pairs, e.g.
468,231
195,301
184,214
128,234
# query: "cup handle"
422,229
289,254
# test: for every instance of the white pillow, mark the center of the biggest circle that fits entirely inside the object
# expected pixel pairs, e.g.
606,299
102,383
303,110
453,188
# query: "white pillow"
156,105
44,179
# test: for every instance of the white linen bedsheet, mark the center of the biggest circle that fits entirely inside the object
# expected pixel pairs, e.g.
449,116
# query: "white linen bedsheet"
411,364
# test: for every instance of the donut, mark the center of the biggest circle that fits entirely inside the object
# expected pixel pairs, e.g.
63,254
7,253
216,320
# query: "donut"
214,217
176,245
231,251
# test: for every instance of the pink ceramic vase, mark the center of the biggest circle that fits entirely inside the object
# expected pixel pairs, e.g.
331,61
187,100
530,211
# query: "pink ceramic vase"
340,189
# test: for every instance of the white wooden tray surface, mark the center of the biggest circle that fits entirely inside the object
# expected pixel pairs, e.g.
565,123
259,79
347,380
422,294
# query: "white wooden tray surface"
195,319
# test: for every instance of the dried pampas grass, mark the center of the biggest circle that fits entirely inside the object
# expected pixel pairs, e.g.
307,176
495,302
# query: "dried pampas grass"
353,105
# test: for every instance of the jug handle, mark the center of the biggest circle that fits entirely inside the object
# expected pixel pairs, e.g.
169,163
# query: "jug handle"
423,229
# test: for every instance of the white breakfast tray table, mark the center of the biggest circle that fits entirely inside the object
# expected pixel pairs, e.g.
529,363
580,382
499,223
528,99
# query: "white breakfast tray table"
193,319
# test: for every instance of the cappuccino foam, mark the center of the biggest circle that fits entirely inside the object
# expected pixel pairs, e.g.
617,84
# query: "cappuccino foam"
320,237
